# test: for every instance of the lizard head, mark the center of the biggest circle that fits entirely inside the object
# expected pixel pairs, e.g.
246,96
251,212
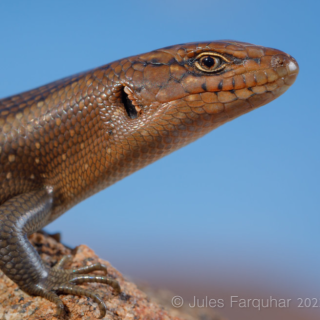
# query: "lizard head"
165,99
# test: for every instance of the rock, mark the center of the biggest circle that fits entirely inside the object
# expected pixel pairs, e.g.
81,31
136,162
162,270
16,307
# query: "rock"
132,303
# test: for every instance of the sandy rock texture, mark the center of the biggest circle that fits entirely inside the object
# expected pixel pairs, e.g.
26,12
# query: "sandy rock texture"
131,304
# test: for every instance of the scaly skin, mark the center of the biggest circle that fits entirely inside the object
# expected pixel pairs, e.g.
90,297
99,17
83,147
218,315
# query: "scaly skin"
65,141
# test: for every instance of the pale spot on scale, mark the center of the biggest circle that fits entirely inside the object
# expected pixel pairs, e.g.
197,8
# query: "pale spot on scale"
47,117
292,66
37,160
82,145
19,115
11,157
37,145
40,104
64,156
86,166
9,175
32,176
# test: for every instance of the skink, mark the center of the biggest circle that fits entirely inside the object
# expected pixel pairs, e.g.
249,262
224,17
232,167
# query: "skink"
67,140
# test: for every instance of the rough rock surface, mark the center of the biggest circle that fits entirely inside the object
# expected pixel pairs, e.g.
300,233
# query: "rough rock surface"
132,303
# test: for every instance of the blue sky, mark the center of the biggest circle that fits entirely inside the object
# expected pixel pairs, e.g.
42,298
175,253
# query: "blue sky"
241,204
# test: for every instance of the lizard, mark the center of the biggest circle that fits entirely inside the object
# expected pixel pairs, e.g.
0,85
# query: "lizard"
67,140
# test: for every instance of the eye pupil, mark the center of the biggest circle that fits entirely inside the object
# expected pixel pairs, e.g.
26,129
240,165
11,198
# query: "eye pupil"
208,61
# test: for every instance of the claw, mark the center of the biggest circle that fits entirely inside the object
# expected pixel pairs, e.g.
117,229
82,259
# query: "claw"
71,289
79,279
51,296
93,267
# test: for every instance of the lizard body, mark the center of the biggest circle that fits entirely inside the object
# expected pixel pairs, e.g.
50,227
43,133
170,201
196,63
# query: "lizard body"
67,140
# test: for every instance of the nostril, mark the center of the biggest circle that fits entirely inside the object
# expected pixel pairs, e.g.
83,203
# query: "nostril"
278,61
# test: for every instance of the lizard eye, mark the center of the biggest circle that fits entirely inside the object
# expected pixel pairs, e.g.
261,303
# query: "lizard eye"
210,62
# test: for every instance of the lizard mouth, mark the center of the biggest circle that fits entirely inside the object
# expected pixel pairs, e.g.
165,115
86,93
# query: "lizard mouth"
130,103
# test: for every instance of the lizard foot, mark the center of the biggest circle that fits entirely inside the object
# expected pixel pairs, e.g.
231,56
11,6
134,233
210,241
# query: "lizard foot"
60,280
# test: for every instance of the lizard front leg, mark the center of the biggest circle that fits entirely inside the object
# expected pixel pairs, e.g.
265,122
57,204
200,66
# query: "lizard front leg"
21,216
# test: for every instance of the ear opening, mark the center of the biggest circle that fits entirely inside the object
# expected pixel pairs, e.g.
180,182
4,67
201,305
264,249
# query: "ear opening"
128,105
